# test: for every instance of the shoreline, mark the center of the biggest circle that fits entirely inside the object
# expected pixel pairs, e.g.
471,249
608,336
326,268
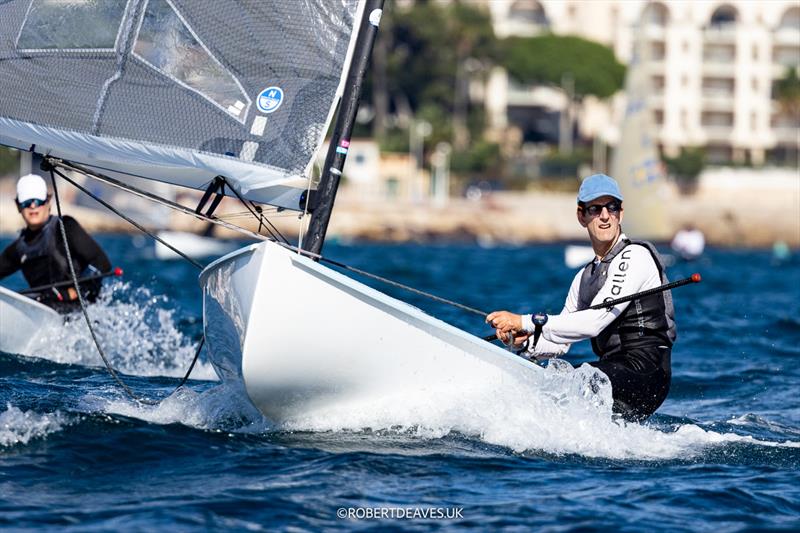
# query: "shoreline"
729,210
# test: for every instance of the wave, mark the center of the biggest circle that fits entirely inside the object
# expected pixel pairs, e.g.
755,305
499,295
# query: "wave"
19,427
137,331
561,410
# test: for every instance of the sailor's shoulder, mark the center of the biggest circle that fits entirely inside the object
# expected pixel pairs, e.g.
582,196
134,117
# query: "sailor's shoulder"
71,224
635,252
11,249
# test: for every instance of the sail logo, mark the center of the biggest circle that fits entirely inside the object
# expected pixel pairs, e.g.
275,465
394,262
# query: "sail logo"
269,99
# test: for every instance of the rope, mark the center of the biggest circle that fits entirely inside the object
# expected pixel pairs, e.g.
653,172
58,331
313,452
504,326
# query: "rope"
274,232
74,276
385,280
249,233
123,216
150,196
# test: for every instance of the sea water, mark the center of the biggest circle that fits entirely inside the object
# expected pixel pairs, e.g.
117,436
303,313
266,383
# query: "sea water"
542,451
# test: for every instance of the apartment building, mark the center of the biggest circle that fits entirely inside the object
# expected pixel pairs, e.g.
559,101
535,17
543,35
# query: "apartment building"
712,64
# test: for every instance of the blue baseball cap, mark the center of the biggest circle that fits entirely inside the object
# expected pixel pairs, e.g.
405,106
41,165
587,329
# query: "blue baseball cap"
598,185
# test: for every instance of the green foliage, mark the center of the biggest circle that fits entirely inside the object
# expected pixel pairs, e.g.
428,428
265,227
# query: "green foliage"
547,59
426,44
686,167
561,165
787,92
9,161
483,159
395,140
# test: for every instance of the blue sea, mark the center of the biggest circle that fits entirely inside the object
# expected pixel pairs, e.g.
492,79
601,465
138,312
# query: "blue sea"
721,454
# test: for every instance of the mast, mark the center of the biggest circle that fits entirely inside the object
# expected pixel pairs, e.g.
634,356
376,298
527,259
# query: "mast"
321,203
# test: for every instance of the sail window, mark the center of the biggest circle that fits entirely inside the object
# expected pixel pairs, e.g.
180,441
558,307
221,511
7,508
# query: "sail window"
71,25
166,43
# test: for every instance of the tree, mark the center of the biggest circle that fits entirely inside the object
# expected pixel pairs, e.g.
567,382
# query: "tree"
787,92
547,58
9,162
422,62
579,66
686,167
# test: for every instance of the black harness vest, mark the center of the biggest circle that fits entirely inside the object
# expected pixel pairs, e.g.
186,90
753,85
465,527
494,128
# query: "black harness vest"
647,322
44,247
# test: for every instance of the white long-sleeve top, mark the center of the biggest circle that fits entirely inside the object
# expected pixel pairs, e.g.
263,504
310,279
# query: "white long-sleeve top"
635,272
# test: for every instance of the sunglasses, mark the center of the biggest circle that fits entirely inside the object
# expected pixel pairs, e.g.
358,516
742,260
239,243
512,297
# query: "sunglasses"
32,202
594,210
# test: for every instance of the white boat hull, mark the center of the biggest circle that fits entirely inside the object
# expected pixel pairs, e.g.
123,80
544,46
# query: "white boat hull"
22,320
302,338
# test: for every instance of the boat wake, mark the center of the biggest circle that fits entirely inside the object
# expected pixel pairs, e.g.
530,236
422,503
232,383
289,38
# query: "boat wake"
136,329
561,410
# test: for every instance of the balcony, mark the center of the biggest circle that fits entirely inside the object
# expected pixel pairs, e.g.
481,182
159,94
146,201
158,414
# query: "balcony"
720,33
718,133
787,134
786,56
720,54
717,126
786,36
655,100
785,127
654,32
717,100
718,93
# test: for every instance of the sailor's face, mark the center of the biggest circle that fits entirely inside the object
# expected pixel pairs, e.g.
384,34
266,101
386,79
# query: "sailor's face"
603,226
35,217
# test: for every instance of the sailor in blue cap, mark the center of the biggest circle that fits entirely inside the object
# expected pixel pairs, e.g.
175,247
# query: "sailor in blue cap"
633,340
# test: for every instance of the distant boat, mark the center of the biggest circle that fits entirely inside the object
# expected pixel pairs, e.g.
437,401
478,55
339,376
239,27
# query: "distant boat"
193,245
576,256
689,243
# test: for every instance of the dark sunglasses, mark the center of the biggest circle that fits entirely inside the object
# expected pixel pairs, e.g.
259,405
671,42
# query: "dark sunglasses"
594,210
32,202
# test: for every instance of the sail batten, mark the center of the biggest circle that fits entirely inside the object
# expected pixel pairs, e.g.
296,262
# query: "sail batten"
175,90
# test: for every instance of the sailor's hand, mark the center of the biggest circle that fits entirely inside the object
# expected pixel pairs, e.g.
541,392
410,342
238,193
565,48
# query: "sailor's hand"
520,337
71,294
504,322
512,338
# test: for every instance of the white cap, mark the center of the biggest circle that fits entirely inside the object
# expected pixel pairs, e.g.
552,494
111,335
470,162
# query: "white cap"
31,186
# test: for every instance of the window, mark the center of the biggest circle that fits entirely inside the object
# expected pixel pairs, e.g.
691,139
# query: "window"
724,17
790,20
655,14
528,11
167,44
59,25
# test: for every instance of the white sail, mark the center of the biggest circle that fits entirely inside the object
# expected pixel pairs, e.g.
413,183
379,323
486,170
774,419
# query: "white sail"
636,164
175,91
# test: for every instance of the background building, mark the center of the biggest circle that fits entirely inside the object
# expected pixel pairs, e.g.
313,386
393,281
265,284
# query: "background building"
713,68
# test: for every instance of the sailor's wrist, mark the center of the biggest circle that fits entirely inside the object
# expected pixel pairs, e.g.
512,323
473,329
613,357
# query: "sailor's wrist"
527,323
